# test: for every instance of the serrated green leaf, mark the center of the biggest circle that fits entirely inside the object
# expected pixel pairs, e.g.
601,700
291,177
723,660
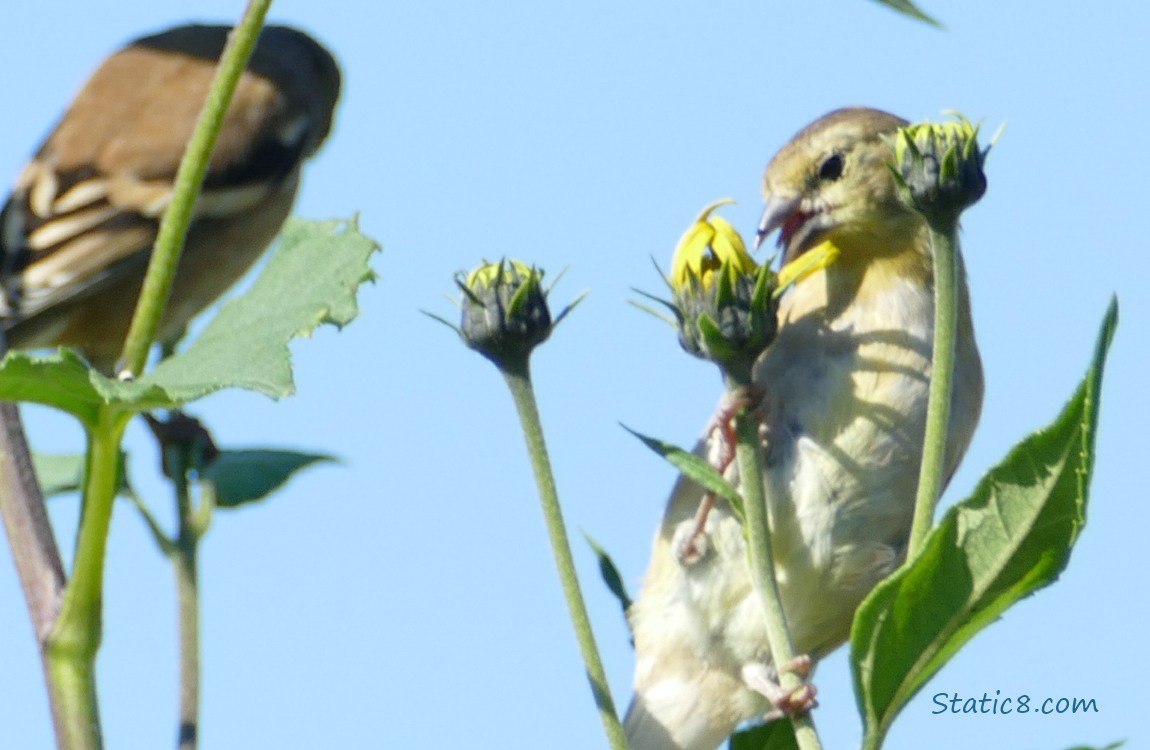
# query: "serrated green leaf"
1010,538
311,279
247,476
610,574
906,7
694,468
776,735
64,381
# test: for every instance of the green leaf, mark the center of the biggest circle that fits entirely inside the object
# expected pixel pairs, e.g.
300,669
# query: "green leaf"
906,7
610,574
59,473
776,735
60,380
311,279
62,473
1111,746
64,381
246,476
1010,538
694,468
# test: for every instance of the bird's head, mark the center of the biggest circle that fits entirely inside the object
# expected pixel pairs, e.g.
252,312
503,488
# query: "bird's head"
832,183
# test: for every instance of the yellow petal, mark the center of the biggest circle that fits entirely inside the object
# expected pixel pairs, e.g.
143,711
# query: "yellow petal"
705,246
486,274
816,259
690,253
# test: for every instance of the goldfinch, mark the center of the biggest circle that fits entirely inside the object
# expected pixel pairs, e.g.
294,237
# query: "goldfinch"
78,229
845,385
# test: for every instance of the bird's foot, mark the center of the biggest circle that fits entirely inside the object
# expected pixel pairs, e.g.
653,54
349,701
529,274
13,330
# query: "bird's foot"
732,403
787,702
690,542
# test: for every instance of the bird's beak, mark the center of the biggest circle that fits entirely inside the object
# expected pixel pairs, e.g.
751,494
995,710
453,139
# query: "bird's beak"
775,215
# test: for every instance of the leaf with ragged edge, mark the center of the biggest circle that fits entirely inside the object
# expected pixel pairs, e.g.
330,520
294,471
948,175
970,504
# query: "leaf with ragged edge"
311,279
907,8
610,574
248,476
1010,538
777,735
64,381
694,468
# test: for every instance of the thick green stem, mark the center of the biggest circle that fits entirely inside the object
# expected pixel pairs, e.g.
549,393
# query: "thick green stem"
519,381
944,241
72,645
749,455
72,689
189,179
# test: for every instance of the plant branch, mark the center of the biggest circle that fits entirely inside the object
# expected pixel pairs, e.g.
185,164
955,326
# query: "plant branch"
184,556
75,638
30,536
944,242
189,179
749,455
519,382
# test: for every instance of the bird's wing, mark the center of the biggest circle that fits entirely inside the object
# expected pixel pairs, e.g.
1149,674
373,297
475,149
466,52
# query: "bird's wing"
88,204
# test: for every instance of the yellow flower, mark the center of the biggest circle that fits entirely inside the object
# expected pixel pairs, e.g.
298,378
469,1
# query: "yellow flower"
723,301
706,247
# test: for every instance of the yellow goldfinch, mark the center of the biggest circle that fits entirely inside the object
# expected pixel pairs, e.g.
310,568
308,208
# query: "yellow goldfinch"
77,232
846,384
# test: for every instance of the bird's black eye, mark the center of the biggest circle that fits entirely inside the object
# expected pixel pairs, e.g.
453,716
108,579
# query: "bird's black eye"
832,168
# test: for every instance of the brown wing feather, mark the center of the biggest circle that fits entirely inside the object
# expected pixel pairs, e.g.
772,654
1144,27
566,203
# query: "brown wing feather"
86,209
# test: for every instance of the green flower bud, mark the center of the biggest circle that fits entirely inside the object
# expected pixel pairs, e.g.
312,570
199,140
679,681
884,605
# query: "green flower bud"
505,312
723,300
938,167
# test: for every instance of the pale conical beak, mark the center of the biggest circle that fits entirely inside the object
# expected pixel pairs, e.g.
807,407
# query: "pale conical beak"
775,214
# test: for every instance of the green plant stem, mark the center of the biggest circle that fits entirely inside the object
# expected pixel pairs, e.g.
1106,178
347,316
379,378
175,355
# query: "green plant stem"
519,382
72,645
189,179
944,242
749,455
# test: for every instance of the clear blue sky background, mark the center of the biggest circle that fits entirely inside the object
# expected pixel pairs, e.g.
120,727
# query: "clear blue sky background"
406,598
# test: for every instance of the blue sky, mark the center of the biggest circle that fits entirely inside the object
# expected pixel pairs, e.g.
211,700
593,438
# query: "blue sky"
406,598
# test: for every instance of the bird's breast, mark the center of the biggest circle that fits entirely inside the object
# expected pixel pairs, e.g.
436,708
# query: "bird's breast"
846,399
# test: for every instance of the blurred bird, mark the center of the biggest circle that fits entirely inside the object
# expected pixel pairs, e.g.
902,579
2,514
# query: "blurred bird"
846,384
77,231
